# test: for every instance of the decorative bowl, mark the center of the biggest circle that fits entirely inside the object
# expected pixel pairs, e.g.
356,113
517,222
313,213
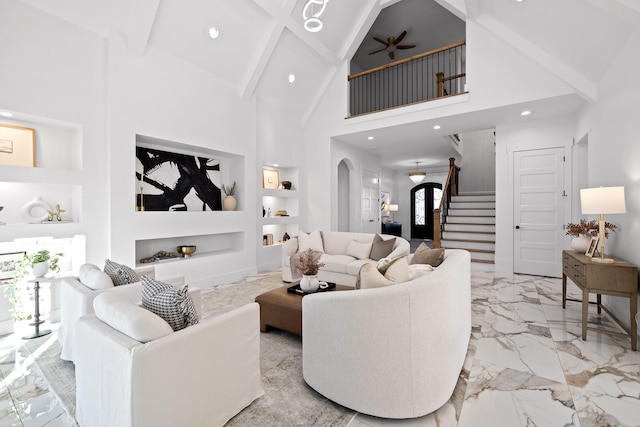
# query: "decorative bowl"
186,250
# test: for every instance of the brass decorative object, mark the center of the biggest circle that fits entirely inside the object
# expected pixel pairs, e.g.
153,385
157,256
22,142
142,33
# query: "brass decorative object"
140,206
51,214
186,250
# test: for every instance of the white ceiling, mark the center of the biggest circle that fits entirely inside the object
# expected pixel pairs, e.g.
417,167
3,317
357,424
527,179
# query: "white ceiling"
263,41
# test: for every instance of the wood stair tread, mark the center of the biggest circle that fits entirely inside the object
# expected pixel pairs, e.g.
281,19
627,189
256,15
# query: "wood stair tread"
467,240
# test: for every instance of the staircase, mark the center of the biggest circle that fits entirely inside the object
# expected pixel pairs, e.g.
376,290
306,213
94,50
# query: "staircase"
471,224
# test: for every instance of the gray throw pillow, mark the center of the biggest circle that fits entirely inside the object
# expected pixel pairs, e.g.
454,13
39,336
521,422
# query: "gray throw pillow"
173,304
426,255
120,274
381,248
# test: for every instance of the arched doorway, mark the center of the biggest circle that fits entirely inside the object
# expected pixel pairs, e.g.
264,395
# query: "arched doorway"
344,209
424,198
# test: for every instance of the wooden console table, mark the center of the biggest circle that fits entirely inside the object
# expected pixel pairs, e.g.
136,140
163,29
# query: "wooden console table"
617,278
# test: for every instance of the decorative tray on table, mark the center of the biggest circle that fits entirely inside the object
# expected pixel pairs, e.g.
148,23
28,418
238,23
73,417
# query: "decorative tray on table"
295,289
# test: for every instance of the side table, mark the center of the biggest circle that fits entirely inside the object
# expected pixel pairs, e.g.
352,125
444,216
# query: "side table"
36,316
617,278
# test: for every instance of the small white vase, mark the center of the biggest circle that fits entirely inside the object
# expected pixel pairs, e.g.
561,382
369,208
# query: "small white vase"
41,269
309,283
581,243
229,203
35,211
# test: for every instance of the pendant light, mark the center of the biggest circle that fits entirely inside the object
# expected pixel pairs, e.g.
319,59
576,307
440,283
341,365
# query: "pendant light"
417,176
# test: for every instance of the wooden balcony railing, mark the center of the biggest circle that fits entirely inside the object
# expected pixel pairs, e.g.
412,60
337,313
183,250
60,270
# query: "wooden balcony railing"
420,78
450,189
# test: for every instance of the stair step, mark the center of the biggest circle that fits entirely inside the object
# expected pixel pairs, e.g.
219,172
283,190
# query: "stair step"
465,226
472,212
474,197
485,261
468,244
465,219
472,205
483,236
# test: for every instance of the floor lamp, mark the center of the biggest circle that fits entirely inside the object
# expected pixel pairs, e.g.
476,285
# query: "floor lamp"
600,201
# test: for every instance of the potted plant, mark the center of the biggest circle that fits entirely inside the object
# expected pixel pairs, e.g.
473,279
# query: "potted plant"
308,264
584,230
229,202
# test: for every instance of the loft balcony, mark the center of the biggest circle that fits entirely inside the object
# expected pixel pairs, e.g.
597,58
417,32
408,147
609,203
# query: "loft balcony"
424,77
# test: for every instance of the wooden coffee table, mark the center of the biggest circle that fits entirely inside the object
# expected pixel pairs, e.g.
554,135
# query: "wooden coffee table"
283,310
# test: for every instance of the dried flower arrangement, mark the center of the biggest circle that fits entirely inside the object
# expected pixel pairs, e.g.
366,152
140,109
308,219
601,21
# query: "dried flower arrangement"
589,228
309,262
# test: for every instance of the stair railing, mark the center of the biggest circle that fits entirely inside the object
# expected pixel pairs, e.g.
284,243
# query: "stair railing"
449,190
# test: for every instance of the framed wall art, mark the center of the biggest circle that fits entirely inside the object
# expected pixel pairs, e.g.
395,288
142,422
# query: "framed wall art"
17,146
9,266
270,178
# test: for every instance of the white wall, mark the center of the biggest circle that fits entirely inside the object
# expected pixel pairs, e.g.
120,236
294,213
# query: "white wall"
614,154
536,134
478,164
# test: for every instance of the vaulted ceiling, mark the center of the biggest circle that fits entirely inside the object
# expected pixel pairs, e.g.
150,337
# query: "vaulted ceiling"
263,41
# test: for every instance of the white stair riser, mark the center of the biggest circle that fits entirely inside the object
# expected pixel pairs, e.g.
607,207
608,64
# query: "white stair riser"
473,212
478,198
470,227
489,256
468,245
472,205
481,266
471,220
468,236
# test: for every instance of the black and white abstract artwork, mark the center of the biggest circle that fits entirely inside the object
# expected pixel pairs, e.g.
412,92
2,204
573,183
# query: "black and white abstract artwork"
177,182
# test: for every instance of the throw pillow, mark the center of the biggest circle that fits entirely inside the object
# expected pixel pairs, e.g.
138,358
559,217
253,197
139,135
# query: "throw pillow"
359,250
369,277
173,304
120,274
92,277
129,318
398,271
425,255
381,248
311,241
418,270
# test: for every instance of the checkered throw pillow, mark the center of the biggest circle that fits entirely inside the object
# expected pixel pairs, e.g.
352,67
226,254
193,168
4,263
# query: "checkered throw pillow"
120,274
173,304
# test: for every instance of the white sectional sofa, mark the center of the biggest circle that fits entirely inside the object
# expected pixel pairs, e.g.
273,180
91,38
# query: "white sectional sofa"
395,351
201,375
76,300
338,266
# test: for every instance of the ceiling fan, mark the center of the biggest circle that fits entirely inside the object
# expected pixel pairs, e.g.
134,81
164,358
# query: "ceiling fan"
391,44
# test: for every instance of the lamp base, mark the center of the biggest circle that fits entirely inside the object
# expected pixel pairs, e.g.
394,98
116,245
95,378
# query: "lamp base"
602,260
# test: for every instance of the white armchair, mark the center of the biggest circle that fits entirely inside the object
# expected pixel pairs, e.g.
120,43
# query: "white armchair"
202,375
76,300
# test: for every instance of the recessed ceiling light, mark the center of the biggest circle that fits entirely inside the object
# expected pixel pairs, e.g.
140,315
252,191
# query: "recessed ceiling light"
6,114
525,113
436,127
214,32
292,78
275,165
370,138
520,1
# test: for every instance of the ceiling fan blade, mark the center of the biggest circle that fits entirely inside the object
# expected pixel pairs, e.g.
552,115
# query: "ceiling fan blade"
384,42
400,37
376,51
405,46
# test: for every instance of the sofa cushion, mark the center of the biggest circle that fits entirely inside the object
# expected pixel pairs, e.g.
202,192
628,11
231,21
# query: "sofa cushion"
173,304
92,277
129,318
336,263
369,277
398,271
359,250
120,274
354,267
425,255
311,241
381,248
419,270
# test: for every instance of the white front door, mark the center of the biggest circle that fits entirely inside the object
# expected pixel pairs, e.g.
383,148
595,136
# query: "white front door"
538,211
370,202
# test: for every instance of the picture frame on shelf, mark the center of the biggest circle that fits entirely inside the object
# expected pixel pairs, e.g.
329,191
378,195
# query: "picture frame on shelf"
270,178
9,266
17,146
592,248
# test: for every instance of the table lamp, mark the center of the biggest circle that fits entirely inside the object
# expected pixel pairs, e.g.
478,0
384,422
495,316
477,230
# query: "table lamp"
602,200
393,208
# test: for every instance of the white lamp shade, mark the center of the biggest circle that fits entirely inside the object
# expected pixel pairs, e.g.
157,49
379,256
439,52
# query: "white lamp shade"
393,208
602,200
